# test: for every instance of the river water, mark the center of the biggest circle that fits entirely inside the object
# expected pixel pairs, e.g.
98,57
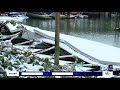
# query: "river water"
95,29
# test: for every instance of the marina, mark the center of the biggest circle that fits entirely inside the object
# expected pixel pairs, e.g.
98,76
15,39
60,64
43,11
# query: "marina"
86,54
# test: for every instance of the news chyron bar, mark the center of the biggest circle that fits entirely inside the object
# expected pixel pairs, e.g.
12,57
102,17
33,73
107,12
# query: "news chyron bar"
29,73
104,71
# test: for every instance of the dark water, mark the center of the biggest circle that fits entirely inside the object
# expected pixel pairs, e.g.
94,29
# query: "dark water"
96,29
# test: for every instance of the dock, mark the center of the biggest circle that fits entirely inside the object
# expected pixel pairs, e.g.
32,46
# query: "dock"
90,51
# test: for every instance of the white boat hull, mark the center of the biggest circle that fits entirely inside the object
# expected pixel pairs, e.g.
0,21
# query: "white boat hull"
7,18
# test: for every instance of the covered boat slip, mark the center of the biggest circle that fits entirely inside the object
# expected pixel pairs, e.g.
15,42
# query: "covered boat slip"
62,61
93,52
43,38
97,52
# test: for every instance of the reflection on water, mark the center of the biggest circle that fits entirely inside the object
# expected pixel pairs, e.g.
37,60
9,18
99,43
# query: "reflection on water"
96,29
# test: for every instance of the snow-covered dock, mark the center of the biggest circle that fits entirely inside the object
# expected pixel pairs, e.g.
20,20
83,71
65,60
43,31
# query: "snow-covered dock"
89,51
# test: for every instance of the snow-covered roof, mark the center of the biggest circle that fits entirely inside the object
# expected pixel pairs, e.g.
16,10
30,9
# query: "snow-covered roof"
12,28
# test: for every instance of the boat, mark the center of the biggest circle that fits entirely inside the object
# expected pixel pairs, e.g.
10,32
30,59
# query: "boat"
65,17
82,16
46,16
18,15
39,15
72,13
7,18
77,15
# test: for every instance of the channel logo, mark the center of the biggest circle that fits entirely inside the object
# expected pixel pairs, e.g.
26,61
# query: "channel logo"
107,74
107,68
110,67
107,71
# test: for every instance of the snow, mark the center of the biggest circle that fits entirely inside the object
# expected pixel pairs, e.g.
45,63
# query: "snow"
65,47
26,48
30,67
7,18
43,56
102,52
12,28
78,68
61,62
